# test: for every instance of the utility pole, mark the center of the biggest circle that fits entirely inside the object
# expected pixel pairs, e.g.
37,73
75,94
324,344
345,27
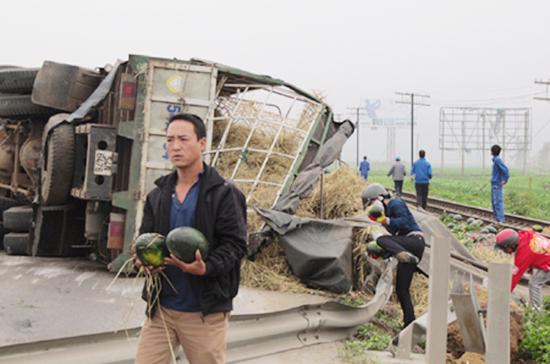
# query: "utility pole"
412,103
357,122
547,83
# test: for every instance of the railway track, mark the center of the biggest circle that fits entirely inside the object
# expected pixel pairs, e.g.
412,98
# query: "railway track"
439,206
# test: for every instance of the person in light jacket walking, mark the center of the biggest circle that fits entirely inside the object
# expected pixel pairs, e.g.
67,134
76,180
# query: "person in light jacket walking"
398,173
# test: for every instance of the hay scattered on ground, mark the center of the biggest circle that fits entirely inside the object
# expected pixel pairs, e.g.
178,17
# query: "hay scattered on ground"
489,254
341,194
270,271
419,294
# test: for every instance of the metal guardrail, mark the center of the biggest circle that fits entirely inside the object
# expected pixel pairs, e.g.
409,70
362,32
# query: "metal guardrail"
249,336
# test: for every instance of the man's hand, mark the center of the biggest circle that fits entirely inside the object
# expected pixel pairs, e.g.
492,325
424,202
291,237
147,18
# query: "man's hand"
198,267
148,269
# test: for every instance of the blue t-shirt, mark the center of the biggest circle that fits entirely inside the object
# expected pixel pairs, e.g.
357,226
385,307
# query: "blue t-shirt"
188,286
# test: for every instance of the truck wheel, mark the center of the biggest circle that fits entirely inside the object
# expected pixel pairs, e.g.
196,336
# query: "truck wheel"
64,87
18,218
3,231
16,243
17,80
6,203
57,174
21,106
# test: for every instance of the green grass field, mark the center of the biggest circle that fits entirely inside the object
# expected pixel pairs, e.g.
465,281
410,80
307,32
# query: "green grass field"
527,195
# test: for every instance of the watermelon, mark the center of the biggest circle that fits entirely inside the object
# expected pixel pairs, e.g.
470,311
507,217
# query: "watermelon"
151,249
376,210
375,249
183,242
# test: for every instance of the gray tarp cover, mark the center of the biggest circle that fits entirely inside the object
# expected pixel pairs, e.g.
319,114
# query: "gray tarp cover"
307,179
319,251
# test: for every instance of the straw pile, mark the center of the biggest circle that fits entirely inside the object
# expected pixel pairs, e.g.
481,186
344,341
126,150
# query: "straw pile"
341,195
270,271
342,191
419,294
490,255
248,127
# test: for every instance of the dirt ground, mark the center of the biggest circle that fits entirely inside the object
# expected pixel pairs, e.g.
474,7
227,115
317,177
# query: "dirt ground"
455,345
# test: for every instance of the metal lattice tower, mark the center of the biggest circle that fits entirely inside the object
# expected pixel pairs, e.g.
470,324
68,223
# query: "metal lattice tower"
466,129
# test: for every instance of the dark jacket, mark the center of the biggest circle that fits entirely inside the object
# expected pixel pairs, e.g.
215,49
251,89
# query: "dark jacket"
220,215
402,221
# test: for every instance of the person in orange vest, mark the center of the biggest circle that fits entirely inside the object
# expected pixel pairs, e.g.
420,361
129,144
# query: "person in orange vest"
532,250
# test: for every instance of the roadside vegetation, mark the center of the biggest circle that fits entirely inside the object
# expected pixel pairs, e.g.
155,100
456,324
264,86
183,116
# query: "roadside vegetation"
526,195
536,334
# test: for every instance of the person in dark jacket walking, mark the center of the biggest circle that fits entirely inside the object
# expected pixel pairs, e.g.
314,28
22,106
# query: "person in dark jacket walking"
193,308
422,173
398,173
406,242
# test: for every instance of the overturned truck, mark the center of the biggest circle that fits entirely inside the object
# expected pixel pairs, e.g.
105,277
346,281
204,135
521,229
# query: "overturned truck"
81,148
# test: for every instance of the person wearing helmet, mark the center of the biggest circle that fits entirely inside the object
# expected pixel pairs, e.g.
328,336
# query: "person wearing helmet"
398,173
532,250
405,242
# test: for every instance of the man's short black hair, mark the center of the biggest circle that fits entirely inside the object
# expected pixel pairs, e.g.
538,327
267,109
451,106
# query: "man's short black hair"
422,153
495,150
198,124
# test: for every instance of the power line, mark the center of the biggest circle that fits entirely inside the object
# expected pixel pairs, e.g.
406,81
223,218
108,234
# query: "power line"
412,103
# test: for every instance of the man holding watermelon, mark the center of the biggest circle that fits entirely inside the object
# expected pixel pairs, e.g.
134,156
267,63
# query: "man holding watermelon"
192,204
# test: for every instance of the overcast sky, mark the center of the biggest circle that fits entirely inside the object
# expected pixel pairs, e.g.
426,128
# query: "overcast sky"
459,52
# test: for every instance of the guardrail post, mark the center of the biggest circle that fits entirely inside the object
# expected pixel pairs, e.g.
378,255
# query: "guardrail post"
498,314
436,341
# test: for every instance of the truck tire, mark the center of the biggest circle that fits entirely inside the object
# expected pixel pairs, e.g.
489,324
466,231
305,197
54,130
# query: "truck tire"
18,218
57,176
16,243
21,106
64,87
6,203
3,231
17,80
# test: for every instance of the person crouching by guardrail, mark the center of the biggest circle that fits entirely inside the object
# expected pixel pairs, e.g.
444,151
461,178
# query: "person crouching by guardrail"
406,242
532,250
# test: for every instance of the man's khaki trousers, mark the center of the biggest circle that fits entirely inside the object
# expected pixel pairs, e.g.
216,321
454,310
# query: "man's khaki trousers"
202,337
